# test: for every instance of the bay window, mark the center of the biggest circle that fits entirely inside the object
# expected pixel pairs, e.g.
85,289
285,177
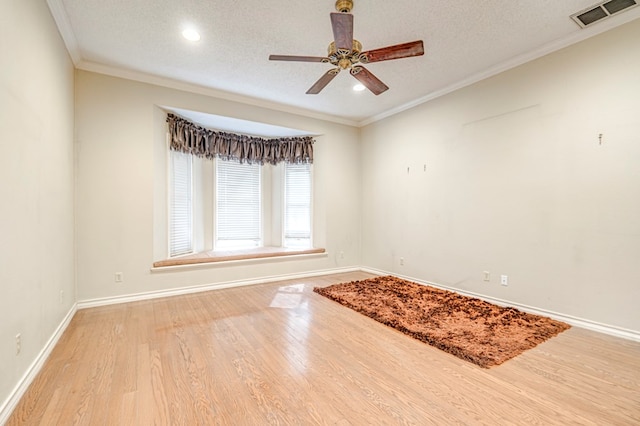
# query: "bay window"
232,192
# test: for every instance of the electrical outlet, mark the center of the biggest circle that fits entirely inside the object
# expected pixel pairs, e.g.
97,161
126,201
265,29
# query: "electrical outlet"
504,280
61,297
486,276
402,261
341,255
18,343
118,277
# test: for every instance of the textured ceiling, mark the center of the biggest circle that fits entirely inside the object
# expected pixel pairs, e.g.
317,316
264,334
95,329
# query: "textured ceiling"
465,40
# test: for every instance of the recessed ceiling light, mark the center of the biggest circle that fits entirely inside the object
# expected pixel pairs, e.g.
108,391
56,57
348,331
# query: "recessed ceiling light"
191,34
359,87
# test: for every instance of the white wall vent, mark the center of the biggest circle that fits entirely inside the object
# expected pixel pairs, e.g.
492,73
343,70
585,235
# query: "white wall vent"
601,11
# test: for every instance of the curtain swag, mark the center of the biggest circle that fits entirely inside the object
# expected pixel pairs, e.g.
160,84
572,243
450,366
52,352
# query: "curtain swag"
192,139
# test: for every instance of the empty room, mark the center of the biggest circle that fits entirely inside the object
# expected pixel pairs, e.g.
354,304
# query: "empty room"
320,212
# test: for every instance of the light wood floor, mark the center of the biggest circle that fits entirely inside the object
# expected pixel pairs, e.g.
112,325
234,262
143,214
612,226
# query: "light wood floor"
280,354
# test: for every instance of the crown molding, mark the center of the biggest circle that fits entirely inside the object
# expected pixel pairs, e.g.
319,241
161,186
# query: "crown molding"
64,27
584,34
207,91
61,18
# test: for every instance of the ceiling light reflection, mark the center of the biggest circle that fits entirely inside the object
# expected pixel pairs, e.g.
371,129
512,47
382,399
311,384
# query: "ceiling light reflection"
191,34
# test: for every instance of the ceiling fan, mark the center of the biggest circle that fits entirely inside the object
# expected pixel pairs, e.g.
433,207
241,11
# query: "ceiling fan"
346,53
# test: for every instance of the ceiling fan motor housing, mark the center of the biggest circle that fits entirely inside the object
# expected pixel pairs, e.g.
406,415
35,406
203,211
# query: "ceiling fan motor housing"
345,58
344,6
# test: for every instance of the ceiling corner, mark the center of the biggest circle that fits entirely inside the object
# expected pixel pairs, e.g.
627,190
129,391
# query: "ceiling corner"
61,19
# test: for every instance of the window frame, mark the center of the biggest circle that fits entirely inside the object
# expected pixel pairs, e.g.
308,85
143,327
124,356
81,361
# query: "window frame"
204,187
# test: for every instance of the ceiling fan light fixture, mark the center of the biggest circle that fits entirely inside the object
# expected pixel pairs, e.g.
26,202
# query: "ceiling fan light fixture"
359,87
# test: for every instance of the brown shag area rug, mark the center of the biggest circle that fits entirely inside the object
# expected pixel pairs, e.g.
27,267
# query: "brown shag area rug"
469,328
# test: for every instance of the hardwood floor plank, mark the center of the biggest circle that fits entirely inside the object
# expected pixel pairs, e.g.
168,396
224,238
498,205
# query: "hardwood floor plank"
280,354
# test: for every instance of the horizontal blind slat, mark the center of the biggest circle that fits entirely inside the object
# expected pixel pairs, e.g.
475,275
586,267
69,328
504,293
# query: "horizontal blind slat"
297,205
238,204
181,207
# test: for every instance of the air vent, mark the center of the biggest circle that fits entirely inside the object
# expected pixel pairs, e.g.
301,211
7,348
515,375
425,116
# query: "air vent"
615,6
601,11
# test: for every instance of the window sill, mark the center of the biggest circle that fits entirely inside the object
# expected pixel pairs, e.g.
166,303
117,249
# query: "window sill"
234,255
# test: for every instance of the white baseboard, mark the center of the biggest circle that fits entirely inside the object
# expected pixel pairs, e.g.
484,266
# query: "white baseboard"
571,320
17,393
11,402
574,321
92,303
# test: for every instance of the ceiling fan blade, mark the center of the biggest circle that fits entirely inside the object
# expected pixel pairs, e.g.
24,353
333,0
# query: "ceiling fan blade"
324,80
298,58
405,50
369,80
342,24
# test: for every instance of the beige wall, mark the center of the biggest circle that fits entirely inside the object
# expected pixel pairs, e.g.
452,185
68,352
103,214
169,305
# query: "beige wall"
36,189
517,183
122,188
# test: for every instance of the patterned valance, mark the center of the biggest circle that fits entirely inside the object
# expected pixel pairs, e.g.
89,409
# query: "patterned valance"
190,138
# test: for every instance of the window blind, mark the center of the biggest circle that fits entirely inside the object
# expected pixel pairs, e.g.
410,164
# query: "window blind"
238,205
181,208
297,205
